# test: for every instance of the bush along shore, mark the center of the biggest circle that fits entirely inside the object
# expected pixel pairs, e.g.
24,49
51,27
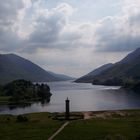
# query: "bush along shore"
24,92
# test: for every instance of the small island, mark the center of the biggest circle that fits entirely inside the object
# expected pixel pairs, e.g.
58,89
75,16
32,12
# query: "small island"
24,92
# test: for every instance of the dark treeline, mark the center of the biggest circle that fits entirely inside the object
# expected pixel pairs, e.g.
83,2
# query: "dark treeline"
135,86
22,91
130,83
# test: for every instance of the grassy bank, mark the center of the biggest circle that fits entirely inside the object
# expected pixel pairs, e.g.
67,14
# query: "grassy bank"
118,126
4,100
38,127
102,125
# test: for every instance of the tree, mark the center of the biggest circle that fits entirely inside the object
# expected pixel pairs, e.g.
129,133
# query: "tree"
22,91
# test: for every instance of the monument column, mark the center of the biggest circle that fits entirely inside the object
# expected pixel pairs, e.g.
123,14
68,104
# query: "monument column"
67,113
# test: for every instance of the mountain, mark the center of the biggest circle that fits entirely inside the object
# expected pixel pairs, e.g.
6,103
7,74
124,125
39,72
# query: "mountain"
128,69
13,67
131,57
124,70
61,76
88,78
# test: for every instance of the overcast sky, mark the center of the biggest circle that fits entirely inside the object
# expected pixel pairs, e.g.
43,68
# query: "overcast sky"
70,37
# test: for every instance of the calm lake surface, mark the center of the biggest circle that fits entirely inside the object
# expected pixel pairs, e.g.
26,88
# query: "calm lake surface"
83,97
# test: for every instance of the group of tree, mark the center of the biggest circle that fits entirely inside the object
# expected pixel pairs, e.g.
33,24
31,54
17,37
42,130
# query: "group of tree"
109,82
132,83
25,91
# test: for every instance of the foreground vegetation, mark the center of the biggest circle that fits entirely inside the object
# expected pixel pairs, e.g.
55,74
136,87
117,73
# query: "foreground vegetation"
35,126
22,92
115,127
124,125
4,100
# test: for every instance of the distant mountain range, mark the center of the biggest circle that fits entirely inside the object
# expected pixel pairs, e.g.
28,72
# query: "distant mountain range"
61,77
13,67
116,74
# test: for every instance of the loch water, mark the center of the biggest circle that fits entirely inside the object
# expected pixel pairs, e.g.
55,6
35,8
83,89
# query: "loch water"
82,96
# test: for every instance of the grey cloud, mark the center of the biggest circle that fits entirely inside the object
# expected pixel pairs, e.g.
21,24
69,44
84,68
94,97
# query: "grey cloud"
47,29
51,30
118,36
9,39
119,43
114,34
134,20
8,11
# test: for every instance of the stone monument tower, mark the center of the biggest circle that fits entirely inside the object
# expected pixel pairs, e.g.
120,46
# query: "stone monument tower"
67,113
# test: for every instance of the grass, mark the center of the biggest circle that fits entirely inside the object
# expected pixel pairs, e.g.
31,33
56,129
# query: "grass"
4,100
115,128
39,127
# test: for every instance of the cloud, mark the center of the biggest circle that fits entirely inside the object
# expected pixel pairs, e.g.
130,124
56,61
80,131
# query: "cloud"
54,30
9,10
48,26
32,28
9,39
122,32
29,25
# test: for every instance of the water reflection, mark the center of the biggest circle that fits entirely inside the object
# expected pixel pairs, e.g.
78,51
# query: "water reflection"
12,107
83,97
23,106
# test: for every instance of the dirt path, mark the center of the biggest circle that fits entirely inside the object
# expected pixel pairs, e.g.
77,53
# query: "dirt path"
87,115
59,130
103,114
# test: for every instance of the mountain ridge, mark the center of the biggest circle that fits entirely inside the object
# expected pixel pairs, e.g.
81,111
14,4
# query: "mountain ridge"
89,77
13,67
127,69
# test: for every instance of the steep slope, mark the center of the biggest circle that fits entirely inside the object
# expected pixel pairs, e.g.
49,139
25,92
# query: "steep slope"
13,67
126,69
61,76
88,78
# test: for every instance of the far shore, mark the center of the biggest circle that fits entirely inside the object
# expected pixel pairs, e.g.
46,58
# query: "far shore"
103,114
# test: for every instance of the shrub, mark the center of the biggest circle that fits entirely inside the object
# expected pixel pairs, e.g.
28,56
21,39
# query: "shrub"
21,118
